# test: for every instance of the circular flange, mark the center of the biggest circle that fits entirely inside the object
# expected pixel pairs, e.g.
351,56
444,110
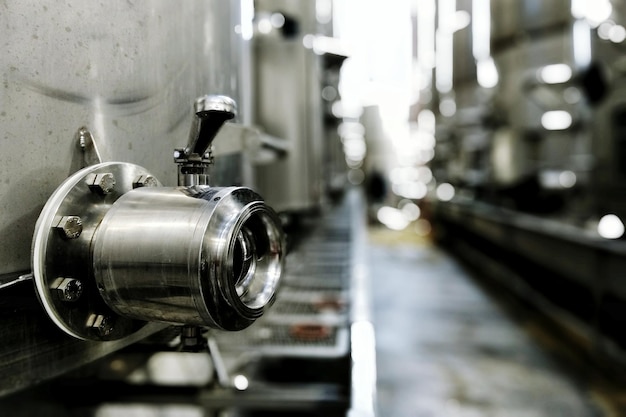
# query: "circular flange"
61,258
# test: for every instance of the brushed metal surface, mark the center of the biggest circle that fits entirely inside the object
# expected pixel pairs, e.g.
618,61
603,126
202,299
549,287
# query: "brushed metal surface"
198,255
33,349
128,71
514,18
289,106
54,255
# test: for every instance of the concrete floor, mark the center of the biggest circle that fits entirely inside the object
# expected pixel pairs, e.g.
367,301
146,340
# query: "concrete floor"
446,346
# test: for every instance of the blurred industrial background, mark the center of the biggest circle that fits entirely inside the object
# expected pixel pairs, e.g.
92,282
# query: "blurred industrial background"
313,208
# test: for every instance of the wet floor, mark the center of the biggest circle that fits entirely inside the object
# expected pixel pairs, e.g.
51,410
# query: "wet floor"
449,346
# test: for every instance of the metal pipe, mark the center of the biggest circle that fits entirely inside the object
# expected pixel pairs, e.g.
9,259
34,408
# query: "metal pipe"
199,255
113,249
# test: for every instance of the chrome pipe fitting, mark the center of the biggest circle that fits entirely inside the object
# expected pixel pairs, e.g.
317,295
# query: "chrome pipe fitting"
113,249
198,255
210,114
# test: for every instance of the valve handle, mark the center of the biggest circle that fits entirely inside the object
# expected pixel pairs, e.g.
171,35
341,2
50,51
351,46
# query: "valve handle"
211,112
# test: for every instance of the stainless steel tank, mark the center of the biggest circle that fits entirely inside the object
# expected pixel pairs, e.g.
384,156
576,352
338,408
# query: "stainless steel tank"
541,37
289,103
607,115
103,93
553,120
524,132
129,72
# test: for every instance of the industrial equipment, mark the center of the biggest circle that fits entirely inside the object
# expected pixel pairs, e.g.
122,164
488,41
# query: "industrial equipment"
529,140
119,239
113,250
132,242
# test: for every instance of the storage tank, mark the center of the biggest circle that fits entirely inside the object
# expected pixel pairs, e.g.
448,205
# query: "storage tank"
288,76
107,113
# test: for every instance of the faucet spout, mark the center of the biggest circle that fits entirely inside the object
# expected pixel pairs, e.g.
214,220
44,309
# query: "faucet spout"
211,112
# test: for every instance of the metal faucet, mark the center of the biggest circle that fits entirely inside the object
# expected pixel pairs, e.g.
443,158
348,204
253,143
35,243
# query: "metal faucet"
211,112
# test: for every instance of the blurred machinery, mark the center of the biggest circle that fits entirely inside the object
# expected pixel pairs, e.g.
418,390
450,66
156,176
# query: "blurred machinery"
529,112
296,74
133,245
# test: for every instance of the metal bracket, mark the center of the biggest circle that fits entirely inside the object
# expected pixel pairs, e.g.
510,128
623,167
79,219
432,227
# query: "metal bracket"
10,280
61,245
219,365
91,155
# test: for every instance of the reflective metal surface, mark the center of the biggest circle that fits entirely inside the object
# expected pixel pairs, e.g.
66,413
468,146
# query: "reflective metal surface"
550,158
113,250
496,135
210,113
199,255
516,18
57,255
126,71
289,106
124,74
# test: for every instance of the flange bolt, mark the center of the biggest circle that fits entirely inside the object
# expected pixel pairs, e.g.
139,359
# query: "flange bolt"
101,183
68,289
70,227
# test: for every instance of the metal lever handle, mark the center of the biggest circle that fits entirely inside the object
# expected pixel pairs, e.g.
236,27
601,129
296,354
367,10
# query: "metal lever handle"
212,111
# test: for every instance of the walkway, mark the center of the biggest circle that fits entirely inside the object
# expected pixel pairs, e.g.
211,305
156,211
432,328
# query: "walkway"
446,346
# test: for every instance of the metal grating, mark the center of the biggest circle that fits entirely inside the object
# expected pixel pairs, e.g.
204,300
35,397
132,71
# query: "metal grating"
272,339
310,317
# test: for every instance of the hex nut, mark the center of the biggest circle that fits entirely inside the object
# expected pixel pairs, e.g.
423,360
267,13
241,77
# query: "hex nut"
179,155
145,181
101,183
101,324
70,227
67,289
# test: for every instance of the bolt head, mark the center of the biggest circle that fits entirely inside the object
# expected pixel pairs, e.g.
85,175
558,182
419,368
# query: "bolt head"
180,155
67,289
102,325
101,183
70,227
145,181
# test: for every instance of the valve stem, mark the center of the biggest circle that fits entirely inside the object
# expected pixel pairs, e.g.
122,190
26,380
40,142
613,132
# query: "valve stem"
211,112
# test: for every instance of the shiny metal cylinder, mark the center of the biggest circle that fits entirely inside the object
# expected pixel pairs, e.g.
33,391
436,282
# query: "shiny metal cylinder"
194,255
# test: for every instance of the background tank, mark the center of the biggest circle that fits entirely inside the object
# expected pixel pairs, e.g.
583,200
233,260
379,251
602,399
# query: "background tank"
288,82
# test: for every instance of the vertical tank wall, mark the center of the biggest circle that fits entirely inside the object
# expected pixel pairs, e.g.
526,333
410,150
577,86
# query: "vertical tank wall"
129,72
289,103
522,120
